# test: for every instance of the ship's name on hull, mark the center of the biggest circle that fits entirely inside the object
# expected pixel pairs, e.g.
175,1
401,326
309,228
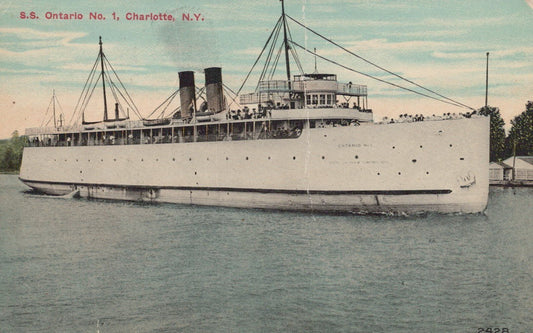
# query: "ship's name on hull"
354,145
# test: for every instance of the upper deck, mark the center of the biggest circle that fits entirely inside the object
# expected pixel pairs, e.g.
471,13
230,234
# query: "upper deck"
304,87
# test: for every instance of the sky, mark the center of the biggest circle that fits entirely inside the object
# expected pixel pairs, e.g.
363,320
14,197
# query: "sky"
440,45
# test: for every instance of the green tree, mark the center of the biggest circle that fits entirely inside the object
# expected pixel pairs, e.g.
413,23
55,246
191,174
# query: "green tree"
497,132
521,133
11,152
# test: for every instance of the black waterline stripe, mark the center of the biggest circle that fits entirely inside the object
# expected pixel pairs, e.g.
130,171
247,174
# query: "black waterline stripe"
253,190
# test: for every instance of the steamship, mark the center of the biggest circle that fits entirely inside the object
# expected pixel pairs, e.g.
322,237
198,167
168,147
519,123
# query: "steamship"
308,142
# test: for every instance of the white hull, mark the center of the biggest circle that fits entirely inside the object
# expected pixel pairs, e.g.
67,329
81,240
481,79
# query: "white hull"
437,166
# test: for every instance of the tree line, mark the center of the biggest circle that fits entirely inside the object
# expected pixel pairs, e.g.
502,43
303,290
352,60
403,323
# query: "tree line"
518,142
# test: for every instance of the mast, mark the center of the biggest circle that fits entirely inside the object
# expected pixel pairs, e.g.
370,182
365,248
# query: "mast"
487,83
54,106
103,78
288,67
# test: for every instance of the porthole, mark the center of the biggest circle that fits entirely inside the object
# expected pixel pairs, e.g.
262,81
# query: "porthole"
356,156
462,158
157,160
451,145
393,147
190,159
420,146
247,158
294,157
427,172
114,159
413,160
227,158
173,159
323,157
195,173
208,158
399,173
379,173
142,160
101,160
269,157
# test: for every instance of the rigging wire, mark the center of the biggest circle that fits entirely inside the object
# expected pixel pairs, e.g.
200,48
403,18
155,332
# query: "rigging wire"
132,105
232,98
167,101
46,114
269,56
259,57
457,103
294,54
373,77
276,62
91,75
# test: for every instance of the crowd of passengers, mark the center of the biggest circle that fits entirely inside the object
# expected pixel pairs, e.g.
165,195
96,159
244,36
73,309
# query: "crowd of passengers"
262,112
408,118
279,133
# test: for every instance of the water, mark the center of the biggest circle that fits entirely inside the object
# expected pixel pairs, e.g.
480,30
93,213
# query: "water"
67,264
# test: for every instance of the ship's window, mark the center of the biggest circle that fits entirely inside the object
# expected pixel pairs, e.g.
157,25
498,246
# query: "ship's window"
315,99
329,99
195,173
308,99
114,159
322,99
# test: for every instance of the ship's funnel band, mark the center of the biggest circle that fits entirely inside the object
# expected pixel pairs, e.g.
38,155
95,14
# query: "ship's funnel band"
187,94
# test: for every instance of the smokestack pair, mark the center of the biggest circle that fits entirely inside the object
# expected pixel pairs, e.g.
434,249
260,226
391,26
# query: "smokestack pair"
213,87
